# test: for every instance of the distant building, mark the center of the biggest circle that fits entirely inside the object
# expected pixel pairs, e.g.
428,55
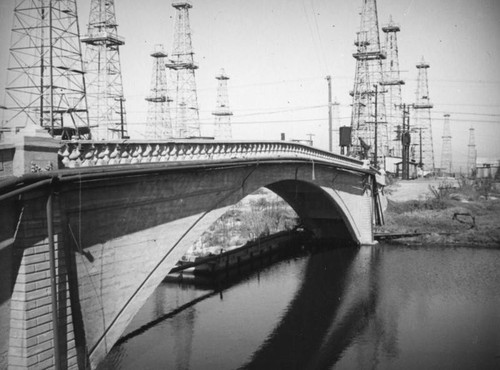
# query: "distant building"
487,167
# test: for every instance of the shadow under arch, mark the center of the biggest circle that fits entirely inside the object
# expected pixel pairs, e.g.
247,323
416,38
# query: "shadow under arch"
317,209
333,305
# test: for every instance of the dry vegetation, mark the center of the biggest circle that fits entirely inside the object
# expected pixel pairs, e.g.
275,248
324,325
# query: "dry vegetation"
465,215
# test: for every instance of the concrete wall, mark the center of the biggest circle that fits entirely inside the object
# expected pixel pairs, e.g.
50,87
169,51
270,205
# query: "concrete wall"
121,236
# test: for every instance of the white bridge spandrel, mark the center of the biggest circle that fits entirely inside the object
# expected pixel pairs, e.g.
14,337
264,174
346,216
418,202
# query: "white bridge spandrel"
107,153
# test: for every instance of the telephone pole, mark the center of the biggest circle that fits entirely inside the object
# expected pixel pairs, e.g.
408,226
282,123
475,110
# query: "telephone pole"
330,114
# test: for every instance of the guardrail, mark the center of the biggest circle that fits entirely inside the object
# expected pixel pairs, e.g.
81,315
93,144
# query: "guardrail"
96,153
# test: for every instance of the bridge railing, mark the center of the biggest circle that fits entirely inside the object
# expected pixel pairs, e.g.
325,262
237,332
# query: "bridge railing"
105,153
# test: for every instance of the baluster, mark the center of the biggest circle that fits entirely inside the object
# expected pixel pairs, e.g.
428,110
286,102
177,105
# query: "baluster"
196,152
136,154
189,151
103,155
74,157
155,155
216,152
88,156
125,155
181,152
114,157
64,153
146,154
210,150
164,152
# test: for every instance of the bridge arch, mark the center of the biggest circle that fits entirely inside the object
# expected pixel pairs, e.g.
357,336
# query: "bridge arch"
125,230
321,209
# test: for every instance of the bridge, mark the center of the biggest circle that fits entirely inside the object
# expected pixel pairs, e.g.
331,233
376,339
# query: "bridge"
89,229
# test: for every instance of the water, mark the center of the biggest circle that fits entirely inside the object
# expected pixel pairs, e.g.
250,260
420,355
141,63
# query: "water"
370,308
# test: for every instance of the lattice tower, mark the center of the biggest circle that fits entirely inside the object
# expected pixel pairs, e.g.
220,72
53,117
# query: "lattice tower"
45,81
182,66
104,76
222,111
422,118
446,162
392,83
472,154
369,57
159,124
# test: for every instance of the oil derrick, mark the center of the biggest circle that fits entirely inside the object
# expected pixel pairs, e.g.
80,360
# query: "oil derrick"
446,162
222,111
392,83
368,107
45,81
158,124
472,154
182,66
422,126
104,77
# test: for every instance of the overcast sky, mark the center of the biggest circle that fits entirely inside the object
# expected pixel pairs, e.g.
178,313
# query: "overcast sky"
278,52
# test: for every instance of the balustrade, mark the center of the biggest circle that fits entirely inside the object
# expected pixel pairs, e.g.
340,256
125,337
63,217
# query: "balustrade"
95,153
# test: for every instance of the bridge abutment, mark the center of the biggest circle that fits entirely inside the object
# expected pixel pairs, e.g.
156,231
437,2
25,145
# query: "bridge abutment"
31,335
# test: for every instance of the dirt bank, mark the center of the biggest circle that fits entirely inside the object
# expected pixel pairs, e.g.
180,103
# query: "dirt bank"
449,219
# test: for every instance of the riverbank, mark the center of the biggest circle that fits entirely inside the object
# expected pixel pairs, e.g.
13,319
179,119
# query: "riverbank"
448,213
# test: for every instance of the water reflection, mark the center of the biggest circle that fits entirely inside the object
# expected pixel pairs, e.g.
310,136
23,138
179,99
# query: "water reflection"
377,308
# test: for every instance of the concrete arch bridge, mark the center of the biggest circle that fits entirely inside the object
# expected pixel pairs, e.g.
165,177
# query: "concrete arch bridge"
83,245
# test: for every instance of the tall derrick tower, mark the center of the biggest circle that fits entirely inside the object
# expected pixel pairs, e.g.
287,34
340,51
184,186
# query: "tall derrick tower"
368,107
472,155
392,83
446,162
422,121
159,124
104,77
222,112
182,65
45,81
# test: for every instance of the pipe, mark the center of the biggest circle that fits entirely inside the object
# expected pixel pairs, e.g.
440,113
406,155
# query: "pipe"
53,282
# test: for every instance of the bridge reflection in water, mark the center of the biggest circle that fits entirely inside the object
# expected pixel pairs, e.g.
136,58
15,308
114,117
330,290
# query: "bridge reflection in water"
320,302
373,307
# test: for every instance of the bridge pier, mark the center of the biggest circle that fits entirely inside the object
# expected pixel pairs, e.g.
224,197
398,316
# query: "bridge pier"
31,337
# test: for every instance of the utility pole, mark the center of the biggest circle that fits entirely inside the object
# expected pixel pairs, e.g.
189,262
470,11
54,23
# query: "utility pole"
310,138
420,163
330,125
375,152
405,143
